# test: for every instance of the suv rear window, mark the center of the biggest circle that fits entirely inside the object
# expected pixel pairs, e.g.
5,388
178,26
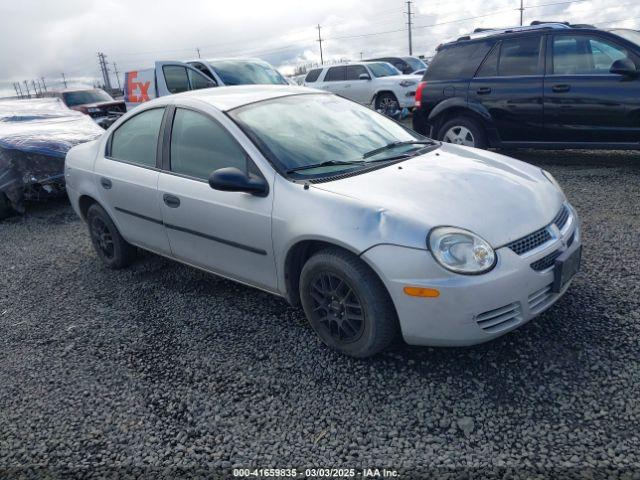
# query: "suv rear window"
313,75
457,61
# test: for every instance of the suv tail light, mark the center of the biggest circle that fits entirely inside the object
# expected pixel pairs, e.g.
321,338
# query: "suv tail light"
421,86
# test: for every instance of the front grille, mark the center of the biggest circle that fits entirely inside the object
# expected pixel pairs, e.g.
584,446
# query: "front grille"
531,241
562,217
572,237
500,318
546,261
540,300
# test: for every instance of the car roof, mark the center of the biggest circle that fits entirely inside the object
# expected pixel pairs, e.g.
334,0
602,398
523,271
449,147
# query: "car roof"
228,98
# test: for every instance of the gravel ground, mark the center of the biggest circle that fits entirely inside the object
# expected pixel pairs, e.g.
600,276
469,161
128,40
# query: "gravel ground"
140,371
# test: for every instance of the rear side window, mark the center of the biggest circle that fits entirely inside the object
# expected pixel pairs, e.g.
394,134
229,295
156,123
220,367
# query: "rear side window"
489,67
176,78
519,56
354,72
457,61
313,75
335,74
200,145
136,140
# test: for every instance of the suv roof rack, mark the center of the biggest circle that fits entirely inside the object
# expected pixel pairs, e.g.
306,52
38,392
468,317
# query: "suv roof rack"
571,25
486,32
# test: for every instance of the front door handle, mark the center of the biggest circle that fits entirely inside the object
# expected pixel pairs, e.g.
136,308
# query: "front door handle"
483,90
561,88
171,201
106,183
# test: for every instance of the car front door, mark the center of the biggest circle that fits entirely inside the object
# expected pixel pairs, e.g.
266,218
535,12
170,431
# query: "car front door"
228,233
509,85
127,177
583,100
356,88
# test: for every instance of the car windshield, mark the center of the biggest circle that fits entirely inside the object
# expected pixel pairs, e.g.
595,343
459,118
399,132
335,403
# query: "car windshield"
83,97
299,131
416,63
628,34
240,72
383,69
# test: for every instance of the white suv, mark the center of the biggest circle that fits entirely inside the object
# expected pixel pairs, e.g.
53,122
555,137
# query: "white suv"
378,84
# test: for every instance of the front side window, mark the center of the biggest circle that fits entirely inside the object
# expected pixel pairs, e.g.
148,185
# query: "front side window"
176,78
243,72
136,140
315,128
519,56
581,54
335,74
354,72
383,69
200,145
197,81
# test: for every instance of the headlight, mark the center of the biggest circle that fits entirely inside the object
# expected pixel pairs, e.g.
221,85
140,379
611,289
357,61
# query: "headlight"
408,83
460,250
549,177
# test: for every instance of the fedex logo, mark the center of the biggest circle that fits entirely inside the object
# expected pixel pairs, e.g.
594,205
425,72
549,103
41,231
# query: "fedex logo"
137,91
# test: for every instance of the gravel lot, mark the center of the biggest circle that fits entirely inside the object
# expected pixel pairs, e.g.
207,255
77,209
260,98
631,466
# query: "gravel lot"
137,371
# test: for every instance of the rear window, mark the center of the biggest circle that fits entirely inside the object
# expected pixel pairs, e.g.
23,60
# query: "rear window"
457,61
313,75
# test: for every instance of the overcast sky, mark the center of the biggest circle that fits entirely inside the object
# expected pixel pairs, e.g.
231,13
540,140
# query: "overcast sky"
44,38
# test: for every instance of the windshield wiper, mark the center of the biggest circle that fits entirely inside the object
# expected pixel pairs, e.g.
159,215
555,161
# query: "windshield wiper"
391,145
328,163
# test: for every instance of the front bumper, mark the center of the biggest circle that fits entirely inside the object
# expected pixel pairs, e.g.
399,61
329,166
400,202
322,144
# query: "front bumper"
471,309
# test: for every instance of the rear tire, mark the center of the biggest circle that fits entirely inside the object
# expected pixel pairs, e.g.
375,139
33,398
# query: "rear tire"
463,131
5,207
347,304
112,249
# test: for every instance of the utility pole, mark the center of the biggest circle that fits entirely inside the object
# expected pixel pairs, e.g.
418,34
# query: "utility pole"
409,14
64,80
320,41
44,84
198,50
26,85
115,70
521,10
360,56
102,58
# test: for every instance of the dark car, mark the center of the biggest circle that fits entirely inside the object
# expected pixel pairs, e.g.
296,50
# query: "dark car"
548,85
95,102
405,64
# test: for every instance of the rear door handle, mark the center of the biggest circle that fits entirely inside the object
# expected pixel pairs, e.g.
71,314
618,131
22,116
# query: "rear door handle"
483,90
561,88
171,201
106,183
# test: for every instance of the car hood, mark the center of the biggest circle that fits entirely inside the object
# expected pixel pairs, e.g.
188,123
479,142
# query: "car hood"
497,197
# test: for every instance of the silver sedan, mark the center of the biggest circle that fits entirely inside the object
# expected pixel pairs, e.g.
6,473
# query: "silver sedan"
373,229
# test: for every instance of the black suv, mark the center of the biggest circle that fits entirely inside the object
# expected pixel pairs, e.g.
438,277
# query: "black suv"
548,85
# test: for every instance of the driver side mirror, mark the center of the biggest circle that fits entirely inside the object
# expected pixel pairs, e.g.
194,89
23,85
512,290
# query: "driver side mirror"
232,179
364,76
624,66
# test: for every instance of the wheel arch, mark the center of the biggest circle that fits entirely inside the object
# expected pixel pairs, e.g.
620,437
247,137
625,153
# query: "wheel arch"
458,107
381,92
300,252
84,202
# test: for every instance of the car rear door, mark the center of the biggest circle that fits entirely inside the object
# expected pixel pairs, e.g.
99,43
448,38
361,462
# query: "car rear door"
176,77
583,101
509,86
335,80
127,178
228,233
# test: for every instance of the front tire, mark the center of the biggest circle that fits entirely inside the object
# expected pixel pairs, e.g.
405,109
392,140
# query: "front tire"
347,304
113,250
387,102
463,131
